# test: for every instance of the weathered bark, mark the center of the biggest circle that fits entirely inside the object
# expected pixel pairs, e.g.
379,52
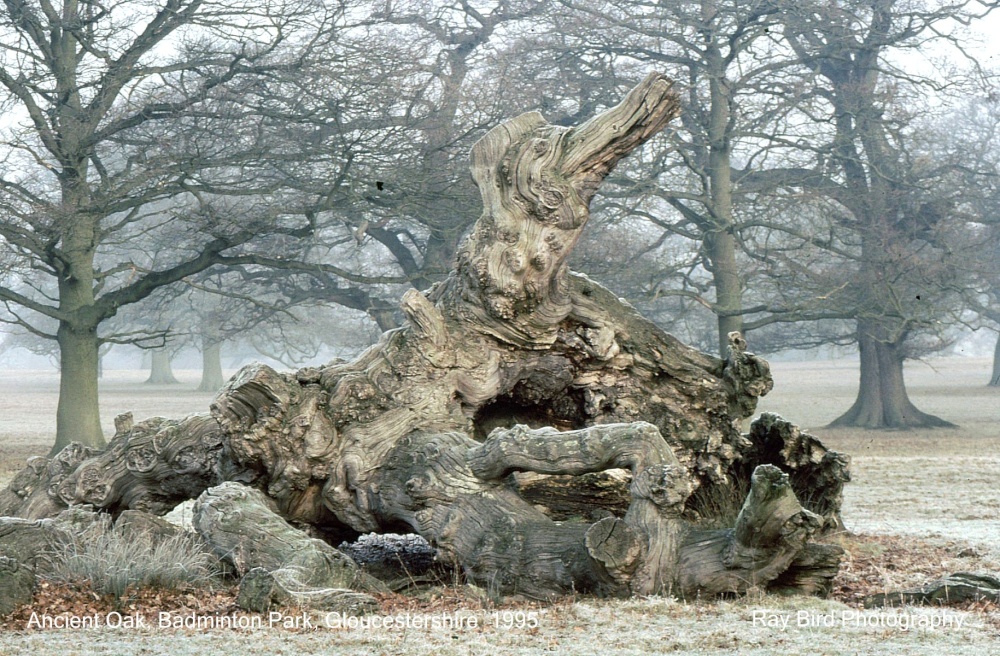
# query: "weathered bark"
78,417
160,371
34,491
30,542
772,532
591,496
152,466
281,565
211,366
811,573
418,433
955,588
639,550
882,401
817,474
35,543
398,560
141,524
17,585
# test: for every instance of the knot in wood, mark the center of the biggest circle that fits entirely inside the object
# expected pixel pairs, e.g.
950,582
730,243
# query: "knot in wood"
667,486
141,458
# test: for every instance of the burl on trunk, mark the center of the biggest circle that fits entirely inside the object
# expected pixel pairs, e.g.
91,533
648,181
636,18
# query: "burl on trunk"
488,423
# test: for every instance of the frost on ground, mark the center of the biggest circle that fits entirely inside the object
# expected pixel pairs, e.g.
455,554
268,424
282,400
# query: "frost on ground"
642,626
935,484
928,496
925,503
202,622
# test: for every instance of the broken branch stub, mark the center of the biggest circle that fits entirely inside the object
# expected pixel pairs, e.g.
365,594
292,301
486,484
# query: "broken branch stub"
280,564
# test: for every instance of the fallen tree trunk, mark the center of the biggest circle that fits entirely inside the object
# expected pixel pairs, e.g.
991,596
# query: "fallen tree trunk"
402,439
17,585
30,547
956,588
281,565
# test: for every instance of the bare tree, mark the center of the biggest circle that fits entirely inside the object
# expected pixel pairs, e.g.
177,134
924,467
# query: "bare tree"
107,124
412,99
894,207
974,131
737,84
161,371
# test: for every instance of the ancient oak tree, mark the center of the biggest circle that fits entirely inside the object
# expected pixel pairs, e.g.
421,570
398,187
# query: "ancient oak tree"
489,420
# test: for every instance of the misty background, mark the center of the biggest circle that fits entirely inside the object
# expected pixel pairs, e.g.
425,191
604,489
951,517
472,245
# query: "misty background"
199,185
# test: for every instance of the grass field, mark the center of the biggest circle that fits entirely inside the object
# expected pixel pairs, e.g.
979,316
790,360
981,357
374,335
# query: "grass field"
936,483
939,490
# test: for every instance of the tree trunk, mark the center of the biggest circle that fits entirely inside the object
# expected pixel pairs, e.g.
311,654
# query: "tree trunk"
995,377
160,371
282,565
211,366
882,401
78,417
867,409
385,317
511,364
720,243
721,249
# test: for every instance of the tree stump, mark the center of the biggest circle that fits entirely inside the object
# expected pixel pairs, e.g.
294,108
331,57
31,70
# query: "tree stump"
513,386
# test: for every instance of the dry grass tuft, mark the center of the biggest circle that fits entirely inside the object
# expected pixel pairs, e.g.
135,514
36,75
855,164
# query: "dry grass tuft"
113,562
719,505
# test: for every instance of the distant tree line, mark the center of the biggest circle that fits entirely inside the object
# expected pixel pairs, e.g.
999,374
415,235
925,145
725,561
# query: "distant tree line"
196,170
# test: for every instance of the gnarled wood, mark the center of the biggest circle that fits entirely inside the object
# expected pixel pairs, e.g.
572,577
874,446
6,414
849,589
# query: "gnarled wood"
811,573
817,474
29,542
771,532
151,466
34,491
33,543
17,585
281,565
403,439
